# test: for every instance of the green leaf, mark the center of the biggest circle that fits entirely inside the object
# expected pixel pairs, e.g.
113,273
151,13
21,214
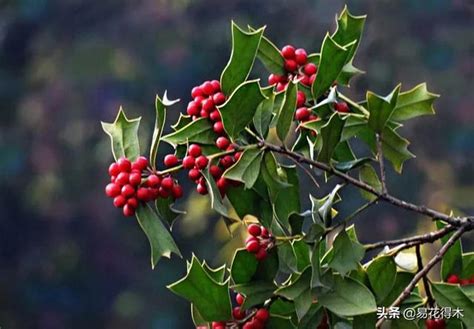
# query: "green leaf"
395,148
302,252
331,134
287,111
414,103
197,317
348,297
346,166
166,211
244,49
160,113
247,169
314,315
333,58
183,120
287,201
452,262
467,264
287,258
198,131
263,116
211,298
216,199
217,274
255,292
271,57
348,72
161,241
238,111
271,175
299,291
323,208
268,268
468,290
447,295
279,322
401,281
365,321
368,175
381,108
382,273
349,28
243,266
123,135
347,254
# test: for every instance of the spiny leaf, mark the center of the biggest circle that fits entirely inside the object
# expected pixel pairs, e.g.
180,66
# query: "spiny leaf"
166,211
413,103
331,134
287,111
123,135
216,200
198,131
243,266
382,273
271,57
247,169
368,175
381,108
347,254
349,28
263,116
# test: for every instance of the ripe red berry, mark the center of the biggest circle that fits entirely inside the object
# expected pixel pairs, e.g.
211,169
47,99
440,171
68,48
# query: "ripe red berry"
140,163
265,233
215,116
193,108
188,162
194,174
167,183
208,105
143,194
216,86
204,114
288,52
112,190
273,79
215,171
254,230
291,65
222,143
170,160
201,189
222,184
238,313
262,314
312,117
300,98
201,162
300,56
127,190
207,88
239,299
114,169
132,202
237,155
218,325
310,69
119,201
194,150
135,178
453,278
305,80
219,98
218,127
163,192
124,164
252,246
261,254
177,191
128,210
153,180
464,282
341,107
227,161
196,91
281,86
122,178
302,114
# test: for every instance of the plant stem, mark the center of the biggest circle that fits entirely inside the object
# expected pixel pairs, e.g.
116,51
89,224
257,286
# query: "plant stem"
426,285
381,163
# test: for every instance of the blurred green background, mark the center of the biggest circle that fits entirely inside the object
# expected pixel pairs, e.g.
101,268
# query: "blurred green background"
68,259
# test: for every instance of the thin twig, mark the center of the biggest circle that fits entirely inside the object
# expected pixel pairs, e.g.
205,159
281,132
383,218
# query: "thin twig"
307,172
352,215
426,285
381,164
433,261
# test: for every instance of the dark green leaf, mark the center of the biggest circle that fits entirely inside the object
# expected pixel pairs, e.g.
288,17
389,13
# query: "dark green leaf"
447,295
243,266
183,120
349,28
467,264
238,111
348,72
382,272
280,322
245,202
368,175
315,232
325,205
271,57
287,111
244,50
349,165
197,317
452,262
217,274
198,131
343,152
161,241
302,252
314,316
365,321
287,258
210,298
413,103
271,175
268,268
255,292
300,292
346,255
282,307
331,134
166,211
287,202
401,281
263,116
216,199
381,108
395,148
247,169
123,135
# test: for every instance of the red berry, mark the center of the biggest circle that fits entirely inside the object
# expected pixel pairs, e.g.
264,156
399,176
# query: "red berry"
215,116
143,194
238,313
196,91
310,69
132,202
124,164
153,180
261,254
281,86
215,171
201,162
204,114
114,169
222,184
170,160
453,278
464,282
237,155
265,233
253,246
128,210
254,230
216,86
207,88
135,178
472,279
239,299
128,190
262,314
167,183
199,99
290,65
112,190
140,163
193,108
177,191
194,150
218,325
311,79
300,98
119,201
122,178
312,117
194,174
300,56
341,107
273,79
208,105
218,127
188,162
219,98
164,193
226,161
305,80
222,143
201,189
302,114
288,52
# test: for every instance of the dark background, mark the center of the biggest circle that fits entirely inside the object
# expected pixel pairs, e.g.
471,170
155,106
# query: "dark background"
68,259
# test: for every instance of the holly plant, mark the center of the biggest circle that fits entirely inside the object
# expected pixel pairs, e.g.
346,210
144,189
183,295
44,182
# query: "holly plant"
249,147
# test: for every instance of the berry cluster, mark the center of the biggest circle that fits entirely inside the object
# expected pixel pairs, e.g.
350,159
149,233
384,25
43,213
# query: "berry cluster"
435,324
296,66
259,241
132,182
454,279
250,319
